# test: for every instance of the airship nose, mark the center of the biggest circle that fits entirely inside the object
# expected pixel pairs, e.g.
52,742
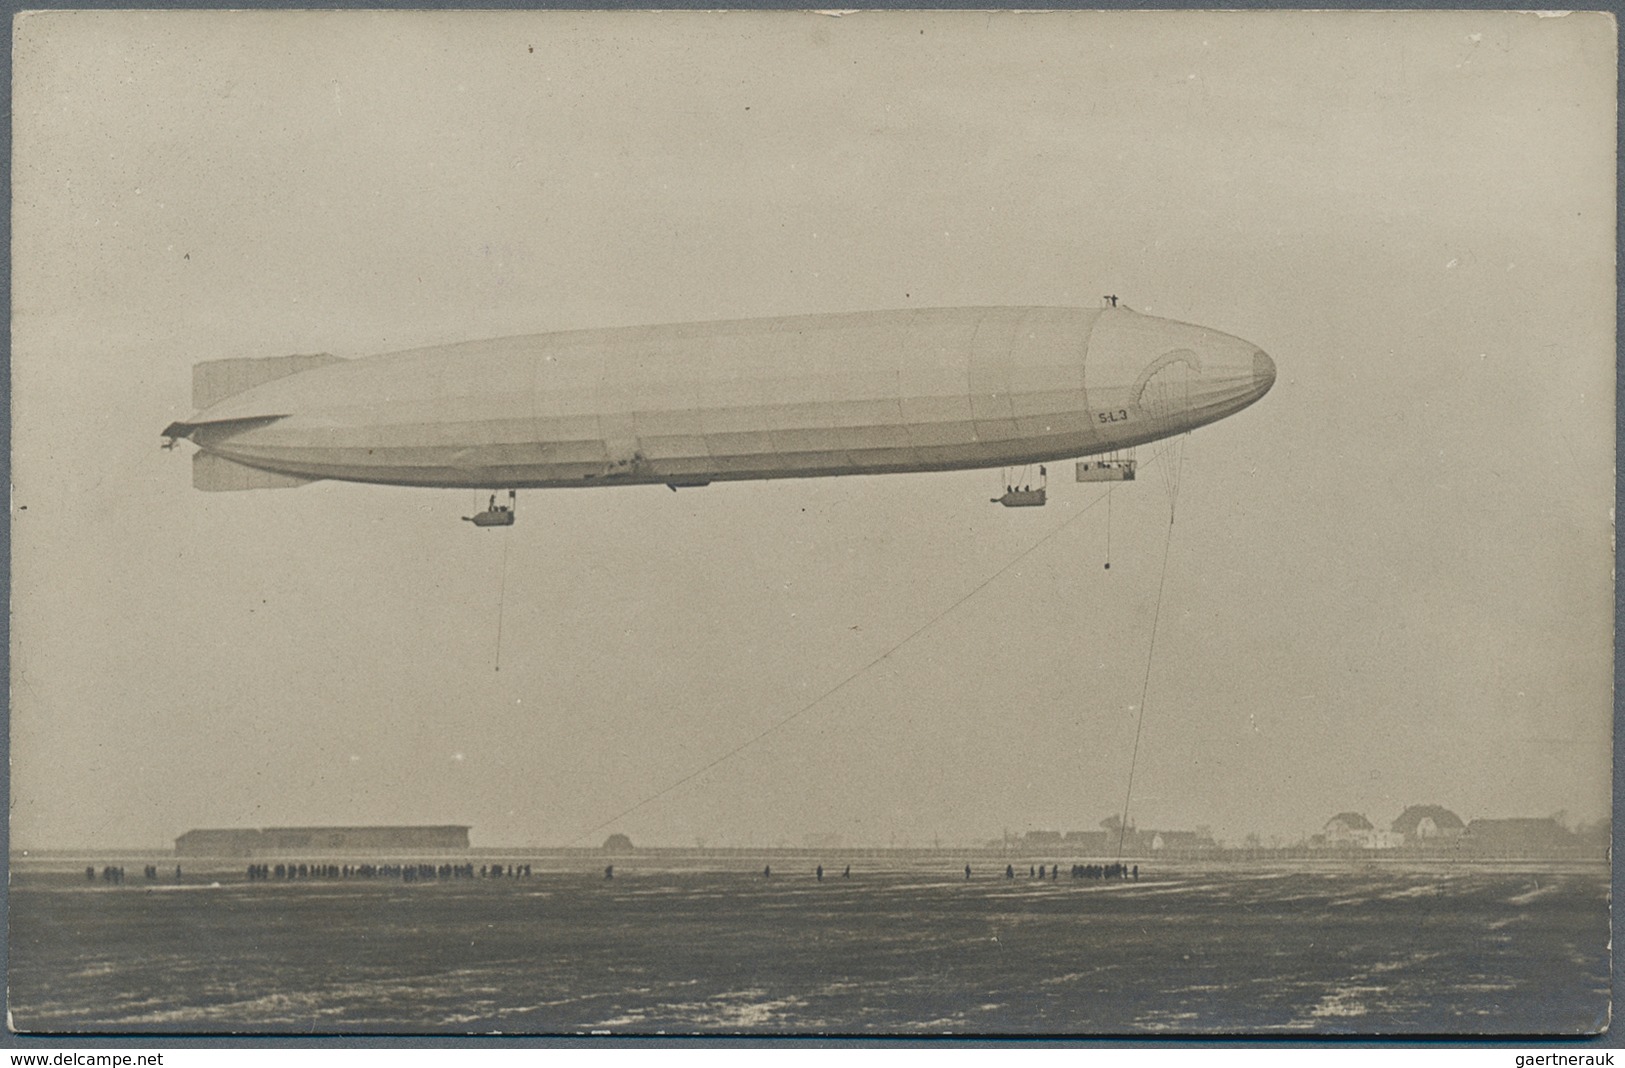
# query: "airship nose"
1263,372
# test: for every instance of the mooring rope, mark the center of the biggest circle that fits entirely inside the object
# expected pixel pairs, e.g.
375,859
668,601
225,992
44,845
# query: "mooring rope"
855,675
502,591
849,679
1145,686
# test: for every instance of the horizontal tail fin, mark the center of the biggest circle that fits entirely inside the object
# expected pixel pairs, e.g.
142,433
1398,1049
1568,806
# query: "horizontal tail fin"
211,472
176,431
215,380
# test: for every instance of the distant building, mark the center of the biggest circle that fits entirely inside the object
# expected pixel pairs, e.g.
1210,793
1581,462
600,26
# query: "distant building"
1515,837
1088,843
249,842
1351,830
1425,823
1104,843
1184,840
217,843
1347,828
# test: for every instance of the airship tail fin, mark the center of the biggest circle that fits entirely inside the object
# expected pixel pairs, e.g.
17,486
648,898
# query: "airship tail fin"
211,472
215,380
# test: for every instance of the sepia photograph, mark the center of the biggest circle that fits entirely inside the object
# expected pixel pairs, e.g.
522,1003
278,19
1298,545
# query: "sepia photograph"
885,524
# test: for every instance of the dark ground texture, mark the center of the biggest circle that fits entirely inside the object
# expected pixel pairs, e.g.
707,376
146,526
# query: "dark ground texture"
1363,950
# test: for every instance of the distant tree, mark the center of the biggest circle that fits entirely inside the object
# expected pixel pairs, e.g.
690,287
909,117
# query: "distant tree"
617,843
1599,834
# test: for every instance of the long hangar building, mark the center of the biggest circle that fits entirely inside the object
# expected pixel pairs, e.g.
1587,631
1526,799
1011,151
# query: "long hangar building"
251,842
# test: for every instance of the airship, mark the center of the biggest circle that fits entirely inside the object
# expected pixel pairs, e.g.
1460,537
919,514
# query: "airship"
688,404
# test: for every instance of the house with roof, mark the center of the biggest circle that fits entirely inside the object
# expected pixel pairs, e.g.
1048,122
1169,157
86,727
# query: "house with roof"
1351,830
1520,837
1424,824
1345,828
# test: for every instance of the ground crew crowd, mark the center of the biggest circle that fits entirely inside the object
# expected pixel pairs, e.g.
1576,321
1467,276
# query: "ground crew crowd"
407,873
410,873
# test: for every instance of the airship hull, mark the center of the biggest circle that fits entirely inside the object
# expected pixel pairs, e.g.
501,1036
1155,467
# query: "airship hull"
685,404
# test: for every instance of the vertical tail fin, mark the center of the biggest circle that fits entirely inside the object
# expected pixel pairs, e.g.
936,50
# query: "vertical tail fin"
215,380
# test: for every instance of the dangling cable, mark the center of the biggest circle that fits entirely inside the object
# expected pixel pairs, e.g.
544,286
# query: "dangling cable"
850,678
853,676
1145,687
502,592
1108,526
1172,470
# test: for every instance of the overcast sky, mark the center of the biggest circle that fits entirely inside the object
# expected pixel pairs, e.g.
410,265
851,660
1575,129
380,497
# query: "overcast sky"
1388,583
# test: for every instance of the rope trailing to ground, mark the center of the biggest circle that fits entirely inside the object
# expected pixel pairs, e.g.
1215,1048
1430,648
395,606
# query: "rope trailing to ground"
1145,686
502,592
861,671
849,679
